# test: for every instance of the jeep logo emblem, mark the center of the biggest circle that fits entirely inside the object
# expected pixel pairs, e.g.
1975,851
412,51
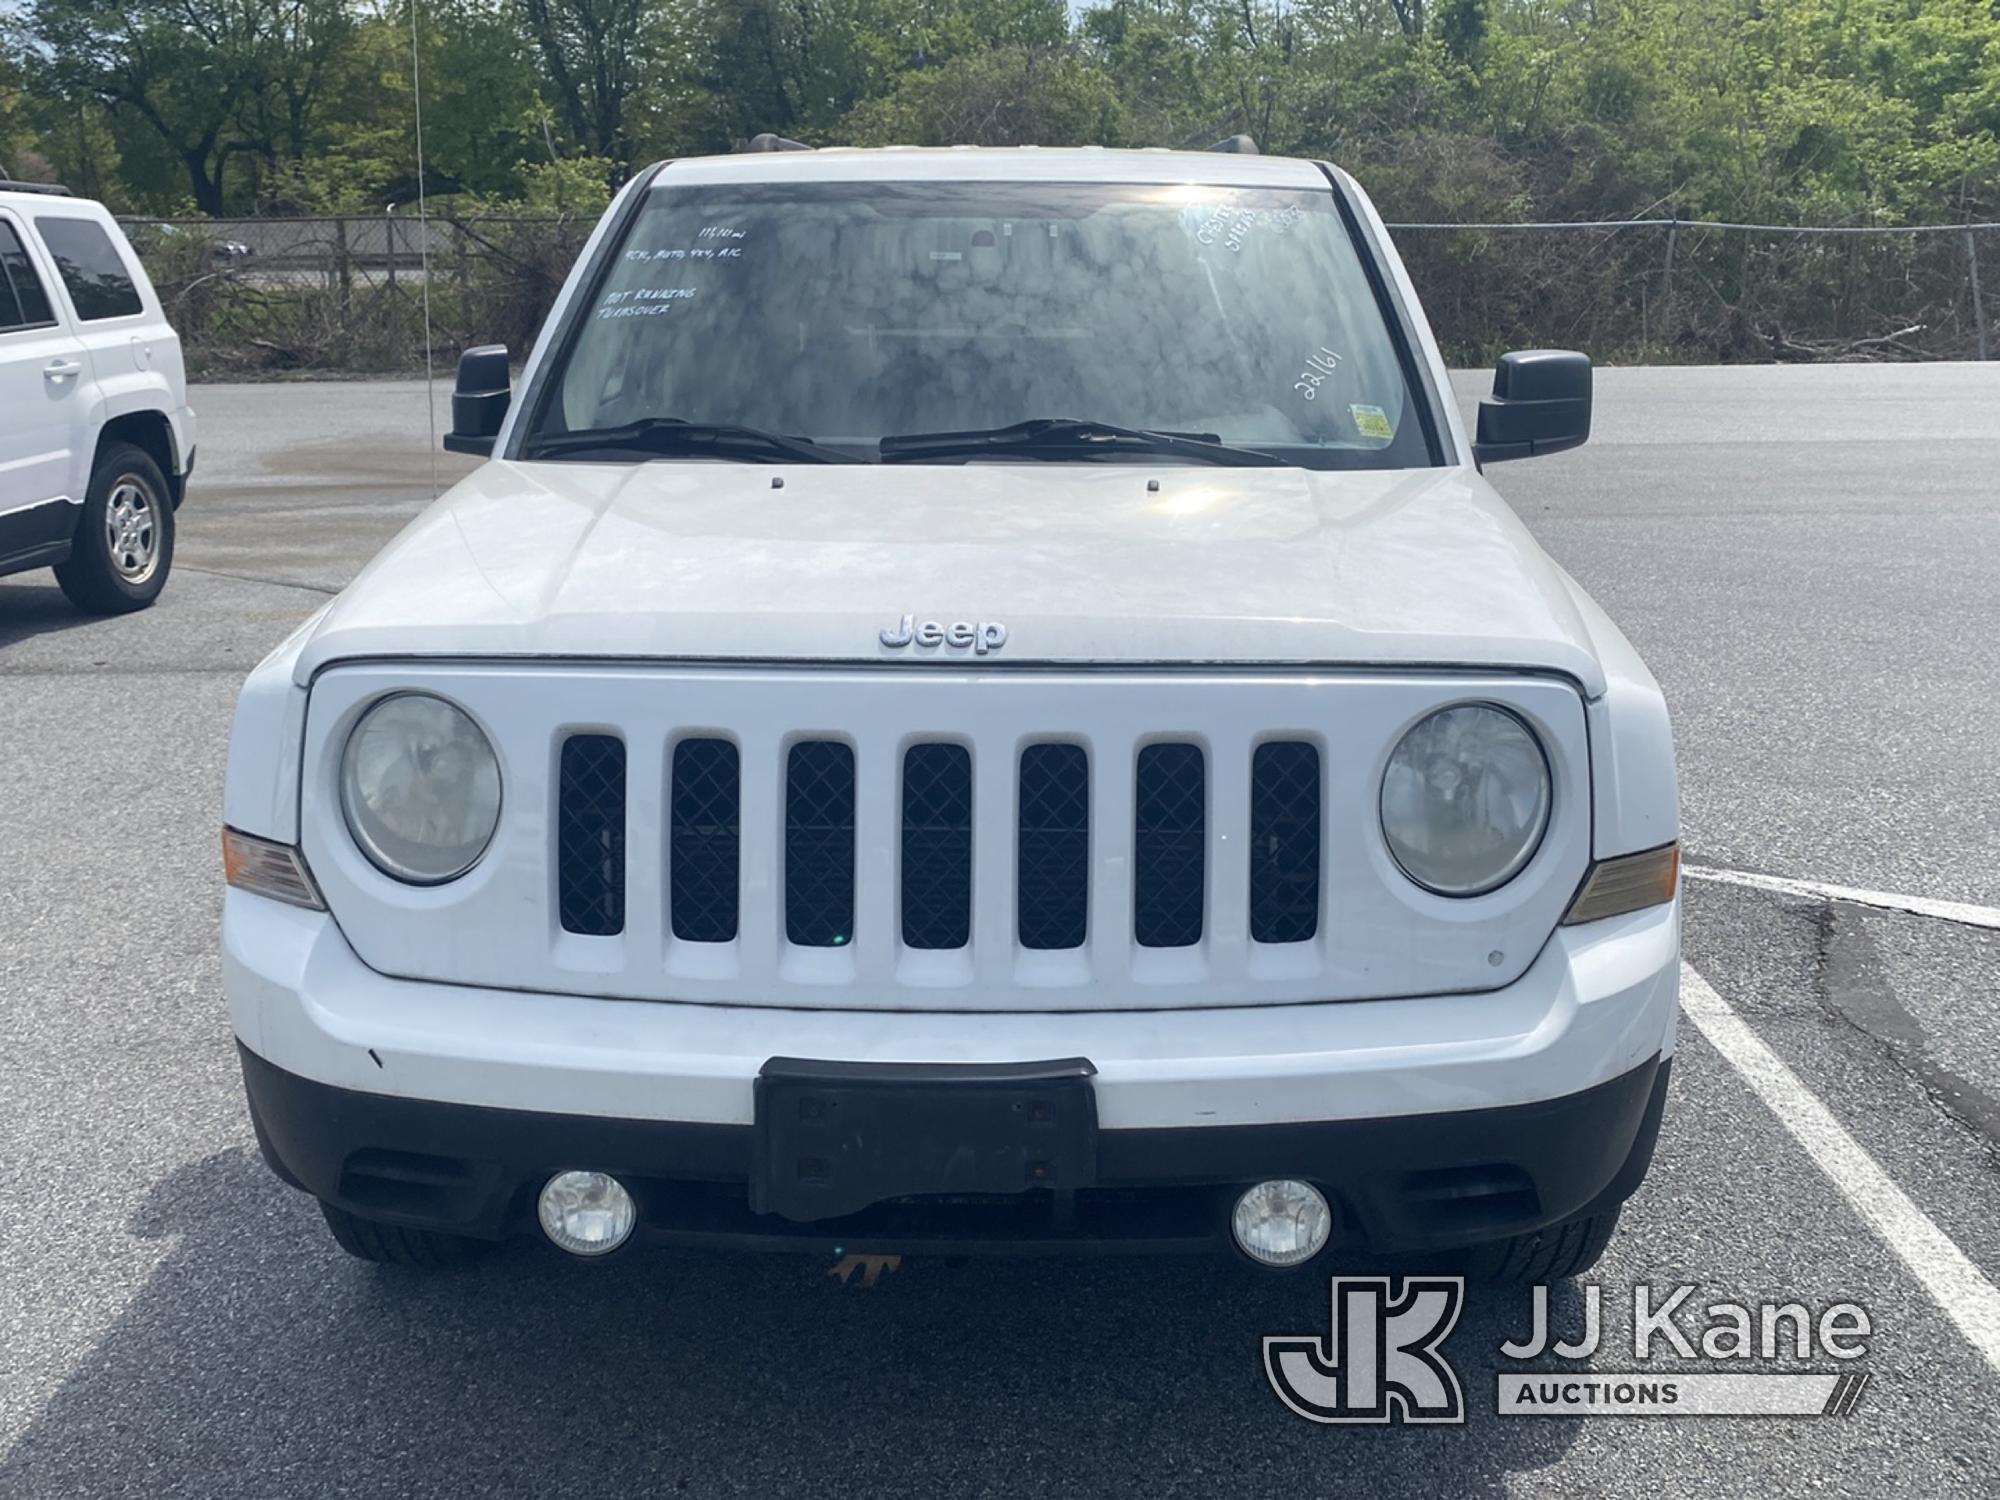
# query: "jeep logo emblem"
960,635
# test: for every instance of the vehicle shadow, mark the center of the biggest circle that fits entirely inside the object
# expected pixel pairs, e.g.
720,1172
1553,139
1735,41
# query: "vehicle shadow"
31,609
257,1361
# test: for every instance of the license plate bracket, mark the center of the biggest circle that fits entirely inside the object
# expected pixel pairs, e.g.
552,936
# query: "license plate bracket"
831,1138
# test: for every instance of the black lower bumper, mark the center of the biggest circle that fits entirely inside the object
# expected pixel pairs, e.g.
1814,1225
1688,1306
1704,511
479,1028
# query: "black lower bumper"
1404,1184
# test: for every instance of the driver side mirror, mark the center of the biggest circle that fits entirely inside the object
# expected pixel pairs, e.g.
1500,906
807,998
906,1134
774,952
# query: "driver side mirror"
1540,404
479,400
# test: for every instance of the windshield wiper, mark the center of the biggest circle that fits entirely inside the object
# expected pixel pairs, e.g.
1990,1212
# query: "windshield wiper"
678,435
1068,435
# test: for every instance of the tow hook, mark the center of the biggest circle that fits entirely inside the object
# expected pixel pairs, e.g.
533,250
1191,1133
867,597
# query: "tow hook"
871,1267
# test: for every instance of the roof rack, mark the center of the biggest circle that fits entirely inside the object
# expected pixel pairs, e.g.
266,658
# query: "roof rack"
770,142
1237,145
53,189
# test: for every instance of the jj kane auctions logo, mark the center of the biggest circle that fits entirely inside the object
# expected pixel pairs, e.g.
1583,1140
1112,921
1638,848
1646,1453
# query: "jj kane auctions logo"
1382,1358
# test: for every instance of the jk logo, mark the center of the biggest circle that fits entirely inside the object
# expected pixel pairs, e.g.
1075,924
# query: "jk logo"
1379,1362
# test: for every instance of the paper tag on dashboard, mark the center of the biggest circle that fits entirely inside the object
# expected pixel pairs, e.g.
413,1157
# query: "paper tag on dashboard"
1371,422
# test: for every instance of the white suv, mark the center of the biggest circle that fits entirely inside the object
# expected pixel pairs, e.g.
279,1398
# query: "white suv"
96,439
981,700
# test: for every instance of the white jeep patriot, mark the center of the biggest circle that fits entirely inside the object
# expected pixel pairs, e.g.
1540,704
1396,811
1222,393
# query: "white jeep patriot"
981,701
96,439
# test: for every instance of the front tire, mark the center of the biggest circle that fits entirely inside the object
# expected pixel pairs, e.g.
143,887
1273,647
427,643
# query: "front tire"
394,1245
1554,1254
124,544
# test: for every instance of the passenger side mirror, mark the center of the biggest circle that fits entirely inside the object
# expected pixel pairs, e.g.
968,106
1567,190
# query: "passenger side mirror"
479,400
1540,404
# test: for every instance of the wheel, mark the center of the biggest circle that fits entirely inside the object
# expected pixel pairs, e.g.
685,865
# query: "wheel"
124,542
1553,1254
393,1245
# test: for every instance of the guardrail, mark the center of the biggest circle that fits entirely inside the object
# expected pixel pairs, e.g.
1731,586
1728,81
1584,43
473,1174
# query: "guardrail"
345,293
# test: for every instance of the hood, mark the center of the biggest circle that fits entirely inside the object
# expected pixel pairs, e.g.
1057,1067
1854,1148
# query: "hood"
1082,565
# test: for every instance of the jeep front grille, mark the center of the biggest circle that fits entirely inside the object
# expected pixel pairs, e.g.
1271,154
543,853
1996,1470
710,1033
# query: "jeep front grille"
1284,842
1169,820
1168,846
1053,839
819,844
703,844
937,846
925,839
590,836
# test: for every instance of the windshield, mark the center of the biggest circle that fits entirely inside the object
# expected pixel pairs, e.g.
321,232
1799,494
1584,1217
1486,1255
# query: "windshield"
846,313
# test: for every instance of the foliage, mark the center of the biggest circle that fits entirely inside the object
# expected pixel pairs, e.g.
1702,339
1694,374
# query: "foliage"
996,97
1849,112
1853,111
17,132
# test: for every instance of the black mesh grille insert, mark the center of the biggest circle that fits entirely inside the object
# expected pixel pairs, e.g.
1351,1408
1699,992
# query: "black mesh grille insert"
1284,842
703,839
937,846
590,835
819,845
1053,875
1169,846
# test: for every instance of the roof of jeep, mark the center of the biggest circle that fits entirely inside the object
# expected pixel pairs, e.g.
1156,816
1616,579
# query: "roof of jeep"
994,164
30,200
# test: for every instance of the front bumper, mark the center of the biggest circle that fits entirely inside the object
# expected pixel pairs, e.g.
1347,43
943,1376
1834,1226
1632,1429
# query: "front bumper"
181,421
1410,1184
1432,1121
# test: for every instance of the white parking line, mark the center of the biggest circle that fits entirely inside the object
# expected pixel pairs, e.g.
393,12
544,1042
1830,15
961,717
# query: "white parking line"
1954,1282
1922,906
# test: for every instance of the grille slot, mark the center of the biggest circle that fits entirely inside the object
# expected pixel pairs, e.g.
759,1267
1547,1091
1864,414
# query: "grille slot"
590,835
1169,853
937,846
819,844
1052,877
1284,842
704,841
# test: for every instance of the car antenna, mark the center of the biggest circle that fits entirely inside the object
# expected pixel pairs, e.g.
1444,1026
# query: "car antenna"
424,248
1237,145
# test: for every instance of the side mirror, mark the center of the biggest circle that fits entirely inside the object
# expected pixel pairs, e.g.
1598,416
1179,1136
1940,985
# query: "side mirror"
1540,404
479,400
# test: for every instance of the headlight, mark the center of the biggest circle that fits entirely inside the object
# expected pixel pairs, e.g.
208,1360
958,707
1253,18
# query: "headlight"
1466,799
420,788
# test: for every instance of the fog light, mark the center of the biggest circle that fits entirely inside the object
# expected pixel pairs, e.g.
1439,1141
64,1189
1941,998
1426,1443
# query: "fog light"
1282,1223
587,1213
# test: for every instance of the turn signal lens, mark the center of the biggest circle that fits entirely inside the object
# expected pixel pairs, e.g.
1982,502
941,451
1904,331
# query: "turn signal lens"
1630,882
275,870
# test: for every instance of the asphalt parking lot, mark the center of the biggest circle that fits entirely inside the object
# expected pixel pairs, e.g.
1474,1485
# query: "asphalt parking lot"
1806,558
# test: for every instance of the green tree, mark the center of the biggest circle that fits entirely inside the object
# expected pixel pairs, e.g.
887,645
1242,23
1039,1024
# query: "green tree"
595,57
209,80
803,67
483,112
1817,110
18,136
1000,96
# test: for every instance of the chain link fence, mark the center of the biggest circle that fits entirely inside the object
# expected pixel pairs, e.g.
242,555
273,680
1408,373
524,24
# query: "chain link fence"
255,297
260,297
1687,291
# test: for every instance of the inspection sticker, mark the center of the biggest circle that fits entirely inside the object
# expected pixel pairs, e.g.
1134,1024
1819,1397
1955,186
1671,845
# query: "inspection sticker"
1371,422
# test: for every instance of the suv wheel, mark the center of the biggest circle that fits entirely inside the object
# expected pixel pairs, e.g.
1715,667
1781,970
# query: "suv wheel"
1553,1254
124,542
394,1245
